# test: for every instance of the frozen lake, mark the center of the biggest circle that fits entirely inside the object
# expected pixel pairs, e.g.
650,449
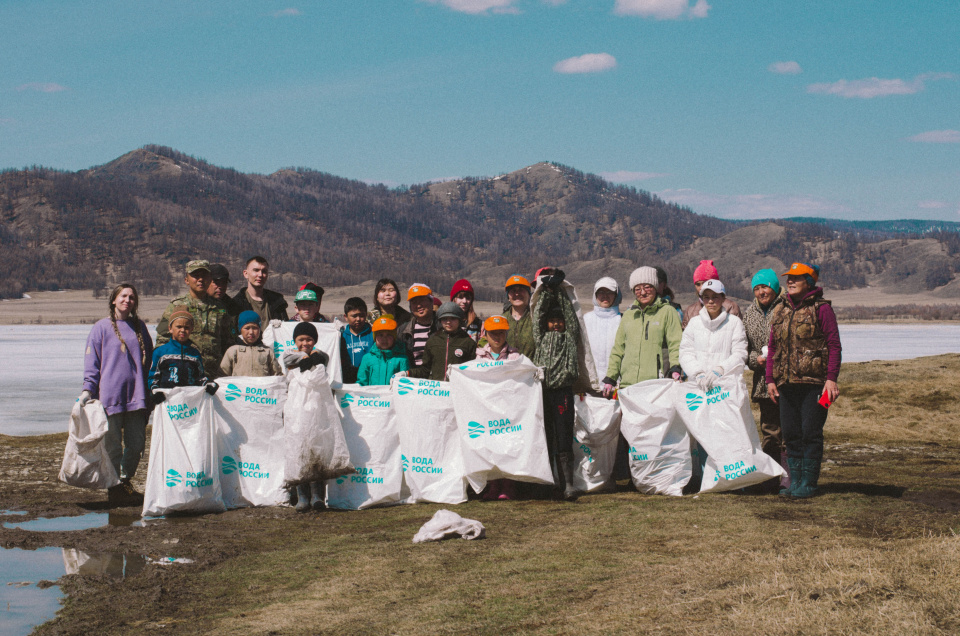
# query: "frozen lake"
41,373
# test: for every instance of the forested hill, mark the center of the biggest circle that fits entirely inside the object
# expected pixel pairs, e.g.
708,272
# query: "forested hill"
140,217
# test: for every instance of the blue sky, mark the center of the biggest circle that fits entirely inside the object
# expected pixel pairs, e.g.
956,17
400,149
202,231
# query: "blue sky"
741,109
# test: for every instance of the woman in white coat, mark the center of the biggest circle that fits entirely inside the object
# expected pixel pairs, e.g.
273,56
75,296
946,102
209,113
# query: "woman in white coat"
603,321
714,342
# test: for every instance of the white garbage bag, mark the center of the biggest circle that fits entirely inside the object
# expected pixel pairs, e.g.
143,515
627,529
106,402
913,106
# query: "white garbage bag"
597,432
370,429
446,523
429,441
328,341
86,463
183,474
722,422
249,414
499,407
314,446
660,462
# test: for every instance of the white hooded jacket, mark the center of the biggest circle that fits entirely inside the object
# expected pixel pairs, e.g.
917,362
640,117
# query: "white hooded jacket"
706,344
602,326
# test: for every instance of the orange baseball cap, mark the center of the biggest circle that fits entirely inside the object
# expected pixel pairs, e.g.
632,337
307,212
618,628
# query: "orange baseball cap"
494,323
517,280
802,269
384,323
418,290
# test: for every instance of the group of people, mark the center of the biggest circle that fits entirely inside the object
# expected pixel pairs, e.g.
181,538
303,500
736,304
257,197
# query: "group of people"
788,337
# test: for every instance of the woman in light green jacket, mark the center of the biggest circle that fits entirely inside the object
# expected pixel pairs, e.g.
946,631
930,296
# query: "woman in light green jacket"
649,326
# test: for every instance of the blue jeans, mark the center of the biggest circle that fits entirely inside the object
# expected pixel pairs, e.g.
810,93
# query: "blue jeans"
802,419
125,440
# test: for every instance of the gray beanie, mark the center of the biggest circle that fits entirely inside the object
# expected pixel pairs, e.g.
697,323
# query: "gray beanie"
644,276
449,309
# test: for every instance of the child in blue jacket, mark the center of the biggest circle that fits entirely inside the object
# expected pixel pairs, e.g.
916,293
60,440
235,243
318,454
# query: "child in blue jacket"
178,363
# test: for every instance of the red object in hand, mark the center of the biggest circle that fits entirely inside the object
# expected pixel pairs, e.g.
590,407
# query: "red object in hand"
824,400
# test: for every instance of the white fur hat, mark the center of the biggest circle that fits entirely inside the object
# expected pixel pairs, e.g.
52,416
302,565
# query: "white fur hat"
643,276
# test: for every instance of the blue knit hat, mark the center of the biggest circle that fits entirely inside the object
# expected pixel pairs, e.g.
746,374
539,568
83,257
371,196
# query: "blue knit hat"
766,277
248,316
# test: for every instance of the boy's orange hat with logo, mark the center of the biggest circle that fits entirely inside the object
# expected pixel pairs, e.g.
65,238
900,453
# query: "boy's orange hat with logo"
416,290
384,323
516,279
494,323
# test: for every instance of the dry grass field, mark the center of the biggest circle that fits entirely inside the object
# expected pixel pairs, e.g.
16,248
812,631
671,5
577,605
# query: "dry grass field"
877,553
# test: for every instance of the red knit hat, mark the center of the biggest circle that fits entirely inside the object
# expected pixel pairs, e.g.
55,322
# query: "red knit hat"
461,285
705,271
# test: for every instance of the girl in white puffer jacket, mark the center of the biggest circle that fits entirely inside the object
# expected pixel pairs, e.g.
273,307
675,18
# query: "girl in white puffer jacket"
602,322
714,342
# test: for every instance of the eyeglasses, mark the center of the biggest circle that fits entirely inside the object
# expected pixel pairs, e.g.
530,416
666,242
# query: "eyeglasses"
644,288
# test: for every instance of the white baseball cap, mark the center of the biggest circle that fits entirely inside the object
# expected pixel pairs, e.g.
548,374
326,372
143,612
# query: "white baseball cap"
714,285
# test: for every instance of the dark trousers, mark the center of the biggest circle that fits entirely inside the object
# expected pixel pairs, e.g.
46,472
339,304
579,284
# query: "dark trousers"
558,418
802,419
771,441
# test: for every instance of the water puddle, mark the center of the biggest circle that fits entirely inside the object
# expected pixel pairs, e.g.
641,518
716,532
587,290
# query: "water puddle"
7,513
113,564
23,605
88,521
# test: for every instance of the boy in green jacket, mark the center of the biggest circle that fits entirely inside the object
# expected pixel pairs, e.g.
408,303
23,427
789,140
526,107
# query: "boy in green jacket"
380,363
649,326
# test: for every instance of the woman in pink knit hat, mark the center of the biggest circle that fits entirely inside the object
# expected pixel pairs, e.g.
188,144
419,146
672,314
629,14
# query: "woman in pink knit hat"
705,271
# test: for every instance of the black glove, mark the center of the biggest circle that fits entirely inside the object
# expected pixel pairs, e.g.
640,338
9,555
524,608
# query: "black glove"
158,397
312,360
675,369
553,279
211,387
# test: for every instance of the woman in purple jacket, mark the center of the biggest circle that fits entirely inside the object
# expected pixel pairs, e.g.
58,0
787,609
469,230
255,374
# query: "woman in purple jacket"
803,362
115,367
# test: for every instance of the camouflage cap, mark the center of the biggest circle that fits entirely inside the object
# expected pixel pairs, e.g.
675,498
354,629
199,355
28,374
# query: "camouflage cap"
197,265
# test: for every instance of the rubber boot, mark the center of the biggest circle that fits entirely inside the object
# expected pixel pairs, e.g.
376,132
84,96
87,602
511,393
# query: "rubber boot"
570,492
303,498
785,479
319,491
795,468
507,490
808,483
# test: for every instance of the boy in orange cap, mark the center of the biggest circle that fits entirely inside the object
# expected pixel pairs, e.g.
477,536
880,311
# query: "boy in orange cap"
496,328
387,358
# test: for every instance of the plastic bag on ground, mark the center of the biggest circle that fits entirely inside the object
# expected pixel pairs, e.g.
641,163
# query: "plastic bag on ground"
721,420
183,474
86,463
370,429
314,446
499,407
446,524
429,441
249,413
660,462
328,340
597,431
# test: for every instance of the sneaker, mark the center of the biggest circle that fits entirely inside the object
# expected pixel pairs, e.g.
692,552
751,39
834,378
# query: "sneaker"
130,495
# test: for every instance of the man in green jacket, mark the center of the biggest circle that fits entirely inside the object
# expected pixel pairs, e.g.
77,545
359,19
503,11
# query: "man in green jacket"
213,329
649,326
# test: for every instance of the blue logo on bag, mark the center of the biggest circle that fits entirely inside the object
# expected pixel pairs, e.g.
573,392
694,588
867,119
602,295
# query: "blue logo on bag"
404,463
232,393
228,465
475,430
464,367
174,478
346,400
405,386
694,401
277,349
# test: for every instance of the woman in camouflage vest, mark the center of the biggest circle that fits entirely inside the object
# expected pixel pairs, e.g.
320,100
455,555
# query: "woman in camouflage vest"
803,362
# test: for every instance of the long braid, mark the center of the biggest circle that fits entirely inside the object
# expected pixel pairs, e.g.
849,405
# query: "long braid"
134,323
143,349
116,330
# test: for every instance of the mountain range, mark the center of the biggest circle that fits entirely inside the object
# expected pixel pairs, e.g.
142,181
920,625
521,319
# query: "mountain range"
142,216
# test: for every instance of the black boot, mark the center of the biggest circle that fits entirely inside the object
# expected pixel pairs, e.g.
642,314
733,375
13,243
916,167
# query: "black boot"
565,461
811,476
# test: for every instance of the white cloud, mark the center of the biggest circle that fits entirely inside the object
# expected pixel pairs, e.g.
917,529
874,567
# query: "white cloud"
626,176
287,12
753,206
475,7
932,205
785,68
877,87
588,63
662,9
42,87
937,137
